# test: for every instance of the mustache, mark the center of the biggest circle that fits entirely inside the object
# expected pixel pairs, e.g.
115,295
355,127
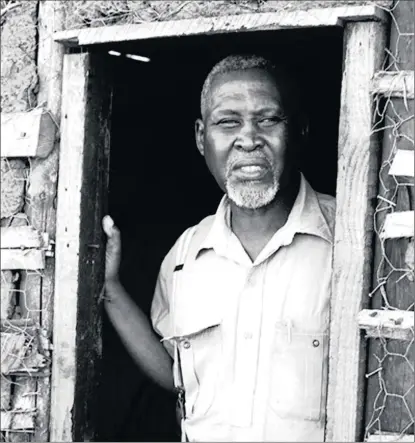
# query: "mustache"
235,158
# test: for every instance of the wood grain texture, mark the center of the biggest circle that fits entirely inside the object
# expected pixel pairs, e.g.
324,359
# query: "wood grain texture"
27,134
72,147
80,268
42,194
398,225
356,187
390,437
21,237
335,16
402,164
394,84
17,259
398,325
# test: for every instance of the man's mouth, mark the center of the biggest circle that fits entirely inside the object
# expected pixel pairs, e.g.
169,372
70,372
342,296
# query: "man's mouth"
250,170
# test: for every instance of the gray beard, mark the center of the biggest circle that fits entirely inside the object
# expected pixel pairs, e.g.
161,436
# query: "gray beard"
249,196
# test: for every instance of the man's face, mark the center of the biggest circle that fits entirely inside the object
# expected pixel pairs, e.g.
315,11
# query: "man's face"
244,137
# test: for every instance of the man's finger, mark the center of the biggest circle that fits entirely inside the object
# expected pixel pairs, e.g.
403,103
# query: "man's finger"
108,225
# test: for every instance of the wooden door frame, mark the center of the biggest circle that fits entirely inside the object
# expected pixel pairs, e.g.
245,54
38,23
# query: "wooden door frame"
365,30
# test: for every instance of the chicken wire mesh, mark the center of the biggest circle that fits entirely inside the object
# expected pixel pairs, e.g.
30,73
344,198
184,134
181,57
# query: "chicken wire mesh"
25,346
390,385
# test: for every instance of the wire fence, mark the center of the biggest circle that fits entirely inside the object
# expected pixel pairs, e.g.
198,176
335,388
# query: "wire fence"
390,393
25,345
25,340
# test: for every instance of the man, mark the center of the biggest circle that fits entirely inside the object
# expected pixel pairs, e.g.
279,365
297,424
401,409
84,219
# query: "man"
247,324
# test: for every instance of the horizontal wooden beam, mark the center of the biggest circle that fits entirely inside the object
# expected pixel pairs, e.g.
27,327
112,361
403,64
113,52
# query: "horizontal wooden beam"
27,134
397,325
20,237
402,164
18,420
22,259
394,84
15,325
391,437
398,225
298,18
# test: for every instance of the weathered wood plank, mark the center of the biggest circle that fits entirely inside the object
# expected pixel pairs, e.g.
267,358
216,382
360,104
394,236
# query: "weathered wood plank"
402,164
390,437
21,237
79,268
398,225
75,79
268,21
394,84
29,259
42,192
356,187
9,418
398,325
27,134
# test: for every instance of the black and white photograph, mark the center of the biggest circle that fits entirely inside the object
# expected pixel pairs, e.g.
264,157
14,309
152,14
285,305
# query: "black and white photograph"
207,221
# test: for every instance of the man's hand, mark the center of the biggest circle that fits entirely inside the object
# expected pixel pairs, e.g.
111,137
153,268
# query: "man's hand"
113,250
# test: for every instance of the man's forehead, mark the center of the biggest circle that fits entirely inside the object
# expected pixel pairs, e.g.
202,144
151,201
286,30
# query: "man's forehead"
244,85
254,76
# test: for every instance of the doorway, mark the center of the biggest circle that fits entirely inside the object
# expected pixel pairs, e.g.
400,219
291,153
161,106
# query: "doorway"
159,184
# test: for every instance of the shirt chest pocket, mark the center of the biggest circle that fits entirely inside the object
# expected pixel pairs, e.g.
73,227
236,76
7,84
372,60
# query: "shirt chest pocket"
299,367
199,345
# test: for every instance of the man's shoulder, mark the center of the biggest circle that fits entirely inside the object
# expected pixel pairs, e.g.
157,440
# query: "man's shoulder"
328,208
198,233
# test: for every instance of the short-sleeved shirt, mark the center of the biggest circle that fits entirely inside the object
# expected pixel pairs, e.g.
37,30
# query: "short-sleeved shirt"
253,336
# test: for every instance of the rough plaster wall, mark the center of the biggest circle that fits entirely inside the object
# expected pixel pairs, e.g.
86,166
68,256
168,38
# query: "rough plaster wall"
13,176
18,57
100,13
19,81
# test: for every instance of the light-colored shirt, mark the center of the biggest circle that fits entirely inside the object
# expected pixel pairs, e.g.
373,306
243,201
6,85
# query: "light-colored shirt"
253,336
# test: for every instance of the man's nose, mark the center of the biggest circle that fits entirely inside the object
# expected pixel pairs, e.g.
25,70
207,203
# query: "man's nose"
248,138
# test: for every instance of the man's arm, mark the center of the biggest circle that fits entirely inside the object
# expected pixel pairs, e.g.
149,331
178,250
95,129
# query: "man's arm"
129,320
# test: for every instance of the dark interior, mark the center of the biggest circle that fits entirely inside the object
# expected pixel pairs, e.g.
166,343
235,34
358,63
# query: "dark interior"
159,184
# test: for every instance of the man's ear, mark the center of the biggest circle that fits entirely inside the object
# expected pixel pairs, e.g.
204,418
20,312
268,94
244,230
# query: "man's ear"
200,135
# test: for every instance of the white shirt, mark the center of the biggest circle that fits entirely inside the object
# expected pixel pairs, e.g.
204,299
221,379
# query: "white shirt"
253,336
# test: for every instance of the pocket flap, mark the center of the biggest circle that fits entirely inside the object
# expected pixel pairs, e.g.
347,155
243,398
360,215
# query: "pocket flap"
193,325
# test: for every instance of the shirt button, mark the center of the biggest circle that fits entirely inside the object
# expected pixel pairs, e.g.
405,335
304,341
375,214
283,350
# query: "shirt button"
316,343
248,335
186,344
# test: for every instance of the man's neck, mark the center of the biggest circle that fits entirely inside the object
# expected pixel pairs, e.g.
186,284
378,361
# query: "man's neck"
255,227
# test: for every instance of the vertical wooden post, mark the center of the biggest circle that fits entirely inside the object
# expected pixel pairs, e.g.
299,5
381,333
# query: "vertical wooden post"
79,246
356,189
41,195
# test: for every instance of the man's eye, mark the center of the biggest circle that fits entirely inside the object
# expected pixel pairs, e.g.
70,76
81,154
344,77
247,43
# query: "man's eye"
228,123
270,121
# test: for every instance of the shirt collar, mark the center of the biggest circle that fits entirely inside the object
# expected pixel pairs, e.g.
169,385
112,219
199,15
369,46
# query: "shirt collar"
306,217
